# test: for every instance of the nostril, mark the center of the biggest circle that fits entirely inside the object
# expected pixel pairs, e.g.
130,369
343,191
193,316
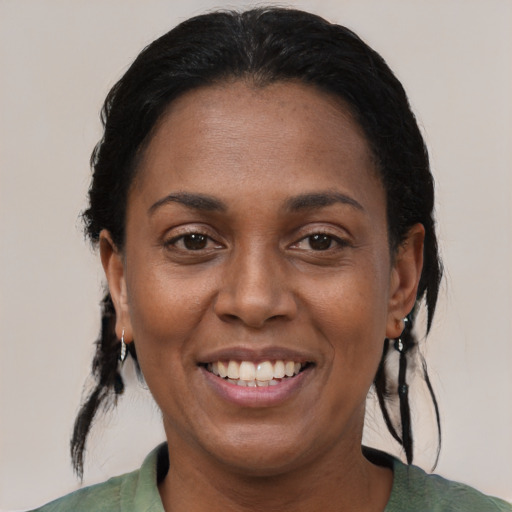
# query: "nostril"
252,319
254,302
277,317
254,322
228,317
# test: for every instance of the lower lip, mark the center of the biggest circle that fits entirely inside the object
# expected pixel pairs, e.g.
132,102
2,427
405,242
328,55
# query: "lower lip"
243,396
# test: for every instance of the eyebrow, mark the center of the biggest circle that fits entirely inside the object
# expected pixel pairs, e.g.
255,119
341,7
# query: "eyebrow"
320,200
196,201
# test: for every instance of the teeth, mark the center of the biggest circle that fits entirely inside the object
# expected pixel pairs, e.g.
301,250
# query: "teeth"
265,371
233,370
246,373
223,369
247,370
279,370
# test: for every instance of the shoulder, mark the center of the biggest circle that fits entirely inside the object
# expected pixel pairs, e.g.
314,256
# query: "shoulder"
133,491
417,490
105,497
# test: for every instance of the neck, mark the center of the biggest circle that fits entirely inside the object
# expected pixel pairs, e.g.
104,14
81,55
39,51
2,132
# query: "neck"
341,480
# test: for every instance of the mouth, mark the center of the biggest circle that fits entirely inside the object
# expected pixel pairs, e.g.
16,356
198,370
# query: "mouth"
261,374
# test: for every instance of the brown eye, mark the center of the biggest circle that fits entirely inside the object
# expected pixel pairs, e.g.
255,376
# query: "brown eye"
320,242
188,243
195,242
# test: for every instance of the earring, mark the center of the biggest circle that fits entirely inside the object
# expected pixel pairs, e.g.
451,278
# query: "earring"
122,355
403,391
402,348
399,344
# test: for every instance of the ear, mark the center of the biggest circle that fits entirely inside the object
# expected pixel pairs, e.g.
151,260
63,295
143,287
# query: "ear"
114,268
404,279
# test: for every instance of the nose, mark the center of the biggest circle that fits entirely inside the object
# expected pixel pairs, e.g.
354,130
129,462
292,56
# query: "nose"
255,290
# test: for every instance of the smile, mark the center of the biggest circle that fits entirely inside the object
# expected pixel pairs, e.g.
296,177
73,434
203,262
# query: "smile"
249,374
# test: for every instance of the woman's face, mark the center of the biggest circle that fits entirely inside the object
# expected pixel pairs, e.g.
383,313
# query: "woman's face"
256,244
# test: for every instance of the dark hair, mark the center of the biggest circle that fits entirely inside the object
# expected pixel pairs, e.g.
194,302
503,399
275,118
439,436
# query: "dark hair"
263,46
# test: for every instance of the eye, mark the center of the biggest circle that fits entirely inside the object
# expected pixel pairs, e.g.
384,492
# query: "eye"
192,242
319,242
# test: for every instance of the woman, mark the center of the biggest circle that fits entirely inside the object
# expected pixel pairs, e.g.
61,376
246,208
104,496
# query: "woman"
262,202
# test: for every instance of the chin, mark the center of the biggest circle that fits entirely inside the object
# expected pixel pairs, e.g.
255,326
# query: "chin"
260,451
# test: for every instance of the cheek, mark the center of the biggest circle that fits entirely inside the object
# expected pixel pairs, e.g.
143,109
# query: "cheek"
165,315
350,302
165,312
350,312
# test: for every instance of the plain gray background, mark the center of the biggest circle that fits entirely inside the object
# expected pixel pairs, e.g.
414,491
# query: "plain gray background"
57,61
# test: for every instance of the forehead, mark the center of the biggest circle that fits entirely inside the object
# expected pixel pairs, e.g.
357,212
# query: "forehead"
282,132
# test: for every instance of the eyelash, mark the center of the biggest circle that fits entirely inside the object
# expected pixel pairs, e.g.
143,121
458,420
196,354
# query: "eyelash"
201,237
323,239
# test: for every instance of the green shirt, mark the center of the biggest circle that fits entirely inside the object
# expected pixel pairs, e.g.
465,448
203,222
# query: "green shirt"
413,490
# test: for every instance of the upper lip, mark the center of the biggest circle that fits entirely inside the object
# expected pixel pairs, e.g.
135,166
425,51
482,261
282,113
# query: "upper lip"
269,353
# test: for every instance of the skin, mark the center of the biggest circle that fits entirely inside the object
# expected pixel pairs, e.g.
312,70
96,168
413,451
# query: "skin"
261,284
